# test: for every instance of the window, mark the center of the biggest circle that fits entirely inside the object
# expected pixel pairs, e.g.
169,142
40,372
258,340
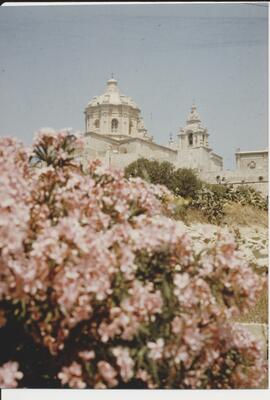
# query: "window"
96,123
130,127
114,125
190,139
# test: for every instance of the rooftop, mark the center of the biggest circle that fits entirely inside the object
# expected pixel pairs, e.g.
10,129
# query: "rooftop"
112,95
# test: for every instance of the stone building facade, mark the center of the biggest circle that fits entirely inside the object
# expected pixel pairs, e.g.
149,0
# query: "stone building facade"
115,134
251,169
193,149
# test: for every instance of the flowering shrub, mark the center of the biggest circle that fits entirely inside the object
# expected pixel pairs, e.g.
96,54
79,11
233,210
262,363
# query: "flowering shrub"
9,375
111,292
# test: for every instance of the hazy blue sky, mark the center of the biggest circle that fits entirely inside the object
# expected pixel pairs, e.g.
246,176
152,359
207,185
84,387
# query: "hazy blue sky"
54,59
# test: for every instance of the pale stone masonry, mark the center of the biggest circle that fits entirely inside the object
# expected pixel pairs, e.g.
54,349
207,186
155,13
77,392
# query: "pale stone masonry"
193,148
115,134
114,114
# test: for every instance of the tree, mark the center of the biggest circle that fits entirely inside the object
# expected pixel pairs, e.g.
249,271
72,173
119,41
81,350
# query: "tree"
185,182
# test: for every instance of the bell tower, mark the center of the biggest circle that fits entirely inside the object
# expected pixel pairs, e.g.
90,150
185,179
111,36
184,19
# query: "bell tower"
193,135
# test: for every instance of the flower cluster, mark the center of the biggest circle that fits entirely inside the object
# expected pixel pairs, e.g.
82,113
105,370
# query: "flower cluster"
56,148
105,281
141,305
72,376
9,375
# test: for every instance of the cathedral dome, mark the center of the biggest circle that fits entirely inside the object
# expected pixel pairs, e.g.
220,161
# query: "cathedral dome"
112,96
115,114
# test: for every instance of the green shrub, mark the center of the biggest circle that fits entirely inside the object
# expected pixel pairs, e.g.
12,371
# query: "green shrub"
206,197
151,171
185,183
247,195
218,189
212,197
210,203
182,182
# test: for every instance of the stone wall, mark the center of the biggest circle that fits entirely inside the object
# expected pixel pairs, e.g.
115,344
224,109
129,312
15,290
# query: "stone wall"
252,161
133,150
238,177
200,158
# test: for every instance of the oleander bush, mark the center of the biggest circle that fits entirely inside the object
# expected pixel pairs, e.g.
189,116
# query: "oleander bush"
100,289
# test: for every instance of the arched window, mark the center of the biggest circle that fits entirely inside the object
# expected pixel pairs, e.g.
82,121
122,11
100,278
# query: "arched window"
114,125
96,123
190,139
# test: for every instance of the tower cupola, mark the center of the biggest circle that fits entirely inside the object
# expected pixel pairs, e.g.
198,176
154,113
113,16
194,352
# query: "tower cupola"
193,135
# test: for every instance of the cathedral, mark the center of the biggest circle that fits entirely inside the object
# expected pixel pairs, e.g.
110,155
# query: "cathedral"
115,134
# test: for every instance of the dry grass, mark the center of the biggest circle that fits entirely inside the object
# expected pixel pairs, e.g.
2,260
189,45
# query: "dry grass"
192,215
259,313
236,214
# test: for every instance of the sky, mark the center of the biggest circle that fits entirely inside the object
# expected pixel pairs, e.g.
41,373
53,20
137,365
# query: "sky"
54,59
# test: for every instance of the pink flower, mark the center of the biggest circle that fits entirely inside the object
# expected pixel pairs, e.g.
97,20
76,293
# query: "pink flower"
124,361
156,349
177,325
108,373
182,355
146,377
194,339
181,280
87,355
9,374
72,376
